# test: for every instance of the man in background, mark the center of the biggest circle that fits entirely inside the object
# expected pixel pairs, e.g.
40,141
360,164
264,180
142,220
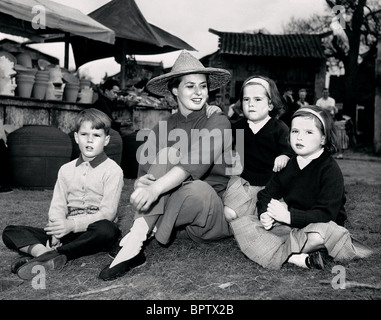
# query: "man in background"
106,101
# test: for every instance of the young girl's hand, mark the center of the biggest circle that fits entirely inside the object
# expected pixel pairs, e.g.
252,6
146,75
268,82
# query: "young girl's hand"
266,221
279,211
280,162
212,109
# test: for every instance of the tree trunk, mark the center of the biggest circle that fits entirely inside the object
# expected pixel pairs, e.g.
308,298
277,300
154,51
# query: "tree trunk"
353,32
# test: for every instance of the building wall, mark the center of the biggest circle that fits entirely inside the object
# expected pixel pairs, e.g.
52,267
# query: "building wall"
286,72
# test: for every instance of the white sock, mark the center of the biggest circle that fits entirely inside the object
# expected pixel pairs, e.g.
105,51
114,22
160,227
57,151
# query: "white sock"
132,242
299,259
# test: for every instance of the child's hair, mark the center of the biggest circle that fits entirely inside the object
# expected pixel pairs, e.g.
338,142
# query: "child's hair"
99,120
323,121
273,96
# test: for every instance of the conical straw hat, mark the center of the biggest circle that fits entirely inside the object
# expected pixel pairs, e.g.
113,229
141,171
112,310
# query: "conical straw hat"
188,64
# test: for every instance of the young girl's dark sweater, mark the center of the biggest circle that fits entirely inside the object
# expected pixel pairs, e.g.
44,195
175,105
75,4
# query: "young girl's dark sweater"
261,149
314,194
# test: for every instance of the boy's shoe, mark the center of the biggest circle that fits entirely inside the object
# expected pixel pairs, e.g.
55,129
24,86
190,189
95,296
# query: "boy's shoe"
19,262
122,268
51,260
315,261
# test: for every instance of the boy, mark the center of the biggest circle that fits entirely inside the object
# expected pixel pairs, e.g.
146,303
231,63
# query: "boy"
83,207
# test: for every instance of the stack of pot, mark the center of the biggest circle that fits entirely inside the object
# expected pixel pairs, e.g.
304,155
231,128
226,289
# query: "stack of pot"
55,86
86,93
71,87
41,84
25,77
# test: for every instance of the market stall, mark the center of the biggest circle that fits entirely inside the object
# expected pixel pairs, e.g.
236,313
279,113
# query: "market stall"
40,93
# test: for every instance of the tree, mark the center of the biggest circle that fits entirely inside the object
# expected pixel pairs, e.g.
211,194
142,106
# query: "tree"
351,28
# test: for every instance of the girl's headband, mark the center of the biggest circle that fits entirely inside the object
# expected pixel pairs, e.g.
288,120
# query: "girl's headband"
262,82
316,114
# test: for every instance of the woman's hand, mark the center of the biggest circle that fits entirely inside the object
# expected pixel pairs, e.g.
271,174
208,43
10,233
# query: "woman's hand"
212,109
280,162
279,211
143,197
144,181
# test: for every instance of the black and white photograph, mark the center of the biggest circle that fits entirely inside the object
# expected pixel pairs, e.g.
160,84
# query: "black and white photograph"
190,157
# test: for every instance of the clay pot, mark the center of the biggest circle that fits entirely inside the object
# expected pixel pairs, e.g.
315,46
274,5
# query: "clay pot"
55,75
70,93
24,59
24,87
39,89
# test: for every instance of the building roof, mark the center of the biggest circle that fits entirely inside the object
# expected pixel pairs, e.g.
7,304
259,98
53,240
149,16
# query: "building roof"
270,45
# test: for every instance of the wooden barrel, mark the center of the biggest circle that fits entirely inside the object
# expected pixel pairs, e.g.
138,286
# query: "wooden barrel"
36,153
113,149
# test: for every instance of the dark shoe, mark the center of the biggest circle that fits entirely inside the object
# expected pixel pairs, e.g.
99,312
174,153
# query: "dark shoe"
5,190
122,268
15,266
51,260
315,261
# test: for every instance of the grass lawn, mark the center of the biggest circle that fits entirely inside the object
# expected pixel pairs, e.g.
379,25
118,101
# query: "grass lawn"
189,271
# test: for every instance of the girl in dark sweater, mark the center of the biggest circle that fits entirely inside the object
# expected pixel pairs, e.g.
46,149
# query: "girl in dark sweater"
301,209
261,140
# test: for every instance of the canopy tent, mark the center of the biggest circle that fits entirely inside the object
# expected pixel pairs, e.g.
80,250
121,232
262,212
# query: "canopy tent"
134,35
86,50
35,19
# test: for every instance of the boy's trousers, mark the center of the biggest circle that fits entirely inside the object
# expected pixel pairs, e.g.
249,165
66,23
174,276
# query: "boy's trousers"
99,236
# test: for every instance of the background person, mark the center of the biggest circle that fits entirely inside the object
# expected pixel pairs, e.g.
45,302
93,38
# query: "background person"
301,102
289,106
328,103
106,101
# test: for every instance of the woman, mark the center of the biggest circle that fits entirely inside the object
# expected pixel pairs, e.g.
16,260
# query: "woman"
182,167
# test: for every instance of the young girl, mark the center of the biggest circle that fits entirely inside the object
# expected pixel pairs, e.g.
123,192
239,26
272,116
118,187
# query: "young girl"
301,210
266,147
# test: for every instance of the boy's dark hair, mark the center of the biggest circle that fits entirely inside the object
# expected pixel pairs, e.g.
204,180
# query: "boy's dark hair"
109,84
275,98
331,143
99,120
